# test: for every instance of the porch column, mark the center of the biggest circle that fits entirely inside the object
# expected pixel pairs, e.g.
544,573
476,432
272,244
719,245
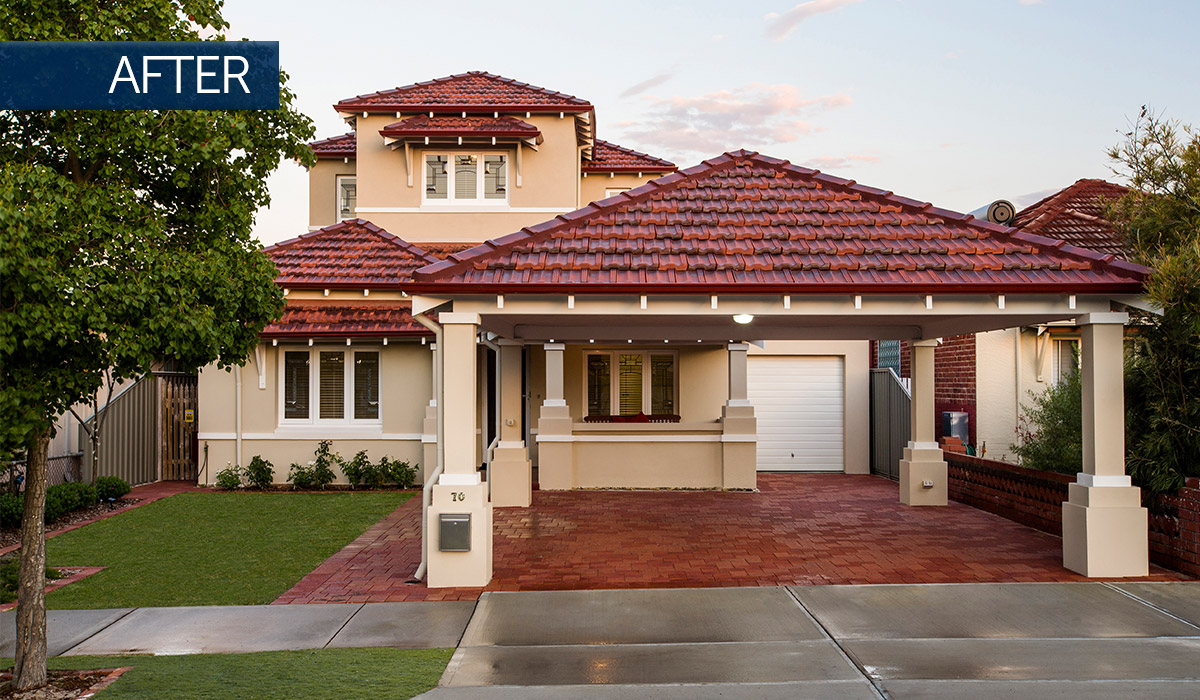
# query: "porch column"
739,446
923,473
429,425
459,490
510,471
556,469
1105,527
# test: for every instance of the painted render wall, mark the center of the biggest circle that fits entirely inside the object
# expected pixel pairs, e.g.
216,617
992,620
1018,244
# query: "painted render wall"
322,191
997,391
405,389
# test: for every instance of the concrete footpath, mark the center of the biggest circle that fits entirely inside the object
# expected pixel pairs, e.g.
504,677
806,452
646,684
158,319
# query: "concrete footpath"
984,641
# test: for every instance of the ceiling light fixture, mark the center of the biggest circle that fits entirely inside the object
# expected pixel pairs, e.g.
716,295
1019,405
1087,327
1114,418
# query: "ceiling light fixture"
743,318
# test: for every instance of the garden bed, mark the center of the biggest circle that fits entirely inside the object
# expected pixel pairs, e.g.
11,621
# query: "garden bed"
65,685
10,537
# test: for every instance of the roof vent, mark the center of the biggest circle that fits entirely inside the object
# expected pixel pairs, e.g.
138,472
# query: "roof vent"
1001,212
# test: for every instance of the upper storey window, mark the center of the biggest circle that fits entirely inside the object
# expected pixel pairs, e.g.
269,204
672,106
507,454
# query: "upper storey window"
346,196
466,178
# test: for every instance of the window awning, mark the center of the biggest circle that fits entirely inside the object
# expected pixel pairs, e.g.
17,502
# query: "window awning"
461,129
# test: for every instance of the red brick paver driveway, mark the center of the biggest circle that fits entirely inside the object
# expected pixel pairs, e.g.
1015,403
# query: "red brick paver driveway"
800,529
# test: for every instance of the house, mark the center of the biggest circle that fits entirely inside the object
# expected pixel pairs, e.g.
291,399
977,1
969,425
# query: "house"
989,376
575,315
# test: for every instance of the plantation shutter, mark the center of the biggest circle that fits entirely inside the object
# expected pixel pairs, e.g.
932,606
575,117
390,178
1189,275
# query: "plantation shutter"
466,169
333,385
629,385
295,385
662,385
366,385
599,385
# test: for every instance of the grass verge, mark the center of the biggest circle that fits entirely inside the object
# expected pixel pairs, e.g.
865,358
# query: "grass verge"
327,674
211,549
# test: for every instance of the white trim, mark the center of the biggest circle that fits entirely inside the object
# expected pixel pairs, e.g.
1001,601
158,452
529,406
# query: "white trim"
1116,318
311,434
1094,480
313,422
429,439
472,203
914,445
642,438
741,402
337,197
510,444
739,438
459,479
614,364
554,402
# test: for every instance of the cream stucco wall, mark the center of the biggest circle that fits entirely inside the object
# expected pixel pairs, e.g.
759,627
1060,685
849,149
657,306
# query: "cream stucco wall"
322,191
997,387
856,356
593,186
405,389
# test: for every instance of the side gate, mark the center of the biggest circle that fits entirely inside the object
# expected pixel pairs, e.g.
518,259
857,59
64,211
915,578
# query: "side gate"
891,408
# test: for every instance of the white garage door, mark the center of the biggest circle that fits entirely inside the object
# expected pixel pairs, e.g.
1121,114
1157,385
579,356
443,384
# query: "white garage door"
800,408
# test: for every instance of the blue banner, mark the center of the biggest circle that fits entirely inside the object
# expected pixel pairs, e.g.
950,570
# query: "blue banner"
139,75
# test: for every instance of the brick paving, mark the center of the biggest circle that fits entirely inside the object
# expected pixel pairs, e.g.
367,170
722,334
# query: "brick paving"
799,529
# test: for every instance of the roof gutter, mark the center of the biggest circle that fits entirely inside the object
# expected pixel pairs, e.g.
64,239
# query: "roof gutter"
427,488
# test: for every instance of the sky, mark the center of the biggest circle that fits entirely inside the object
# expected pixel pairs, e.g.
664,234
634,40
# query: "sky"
956,102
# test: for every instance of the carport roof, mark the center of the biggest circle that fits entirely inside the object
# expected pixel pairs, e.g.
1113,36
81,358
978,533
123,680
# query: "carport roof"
748,223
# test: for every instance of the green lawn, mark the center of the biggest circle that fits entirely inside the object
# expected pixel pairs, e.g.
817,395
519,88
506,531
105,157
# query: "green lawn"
211,548
328,674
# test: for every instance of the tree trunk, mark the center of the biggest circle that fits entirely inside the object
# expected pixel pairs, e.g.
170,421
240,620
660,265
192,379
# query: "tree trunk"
29,670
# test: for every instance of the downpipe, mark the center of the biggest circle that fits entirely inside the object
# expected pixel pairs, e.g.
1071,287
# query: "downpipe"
427,489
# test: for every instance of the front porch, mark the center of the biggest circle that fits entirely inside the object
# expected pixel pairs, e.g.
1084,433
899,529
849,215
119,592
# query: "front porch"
805,529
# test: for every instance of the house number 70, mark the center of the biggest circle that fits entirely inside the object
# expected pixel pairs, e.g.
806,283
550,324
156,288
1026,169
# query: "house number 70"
458,496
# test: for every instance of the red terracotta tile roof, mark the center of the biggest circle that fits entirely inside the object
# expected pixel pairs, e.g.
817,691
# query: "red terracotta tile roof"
345,320
609,157
352,254
476,91
442,249
748,223
343,146
425,125
1075,214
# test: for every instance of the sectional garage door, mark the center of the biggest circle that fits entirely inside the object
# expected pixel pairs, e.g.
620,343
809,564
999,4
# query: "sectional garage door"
800,406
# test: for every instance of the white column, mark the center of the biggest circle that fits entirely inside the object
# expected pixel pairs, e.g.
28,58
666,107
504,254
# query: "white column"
459,491
429,424
923,472
739,427
556,457
510,471
1105,528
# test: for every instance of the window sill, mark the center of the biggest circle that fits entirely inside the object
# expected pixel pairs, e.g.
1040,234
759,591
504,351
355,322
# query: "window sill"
635,420
713,427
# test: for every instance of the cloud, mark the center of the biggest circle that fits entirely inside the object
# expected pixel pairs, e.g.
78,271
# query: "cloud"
648,83
780,26
840,162
744,117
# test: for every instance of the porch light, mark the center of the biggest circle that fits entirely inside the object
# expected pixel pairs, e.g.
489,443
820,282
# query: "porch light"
743,318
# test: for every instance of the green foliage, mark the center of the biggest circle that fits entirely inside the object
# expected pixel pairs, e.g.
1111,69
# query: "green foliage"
11,506
362,473
301,477
400,473
1160,219
234,548
229,478
110,488
64,498
9,568
1050,430
127,233
261,473
322,466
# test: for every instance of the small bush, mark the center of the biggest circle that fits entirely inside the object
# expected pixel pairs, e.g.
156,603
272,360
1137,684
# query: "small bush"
1051,428
359,471
110,488
229,478
400,473
11,507
64,498
260,473
9,570
301,477
322,466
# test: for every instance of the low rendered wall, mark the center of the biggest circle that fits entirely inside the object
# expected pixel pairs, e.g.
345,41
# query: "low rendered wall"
1035,498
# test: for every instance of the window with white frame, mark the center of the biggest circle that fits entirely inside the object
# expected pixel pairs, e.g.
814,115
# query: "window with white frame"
629,382
327,386
1065,358
347,195
466,178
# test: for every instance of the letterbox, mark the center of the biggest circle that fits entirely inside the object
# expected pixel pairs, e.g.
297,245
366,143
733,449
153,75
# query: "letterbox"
454,532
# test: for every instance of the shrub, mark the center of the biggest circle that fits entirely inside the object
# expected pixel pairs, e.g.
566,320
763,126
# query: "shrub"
260,473
322,466
11,507
229,478
9,569
64,498
110,488
300,477
1051,428
360,472
400,473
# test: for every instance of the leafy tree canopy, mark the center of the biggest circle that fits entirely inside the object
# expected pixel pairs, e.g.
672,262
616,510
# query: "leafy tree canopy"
126,235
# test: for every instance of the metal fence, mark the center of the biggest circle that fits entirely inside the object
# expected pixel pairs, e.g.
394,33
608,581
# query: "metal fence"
128,435
891,410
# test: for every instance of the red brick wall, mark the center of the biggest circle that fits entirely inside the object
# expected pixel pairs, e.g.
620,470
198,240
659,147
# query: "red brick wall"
954,379
1034,498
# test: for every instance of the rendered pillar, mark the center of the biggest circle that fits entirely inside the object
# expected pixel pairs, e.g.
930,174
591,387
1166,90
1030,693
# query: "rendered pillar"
429,425
556,467
1105,527
510,471
739,442
459,489
923,474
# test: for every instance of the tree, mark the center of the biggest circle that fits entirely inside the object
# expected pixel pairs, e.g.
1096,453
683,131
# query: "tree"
126,241
1160,218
